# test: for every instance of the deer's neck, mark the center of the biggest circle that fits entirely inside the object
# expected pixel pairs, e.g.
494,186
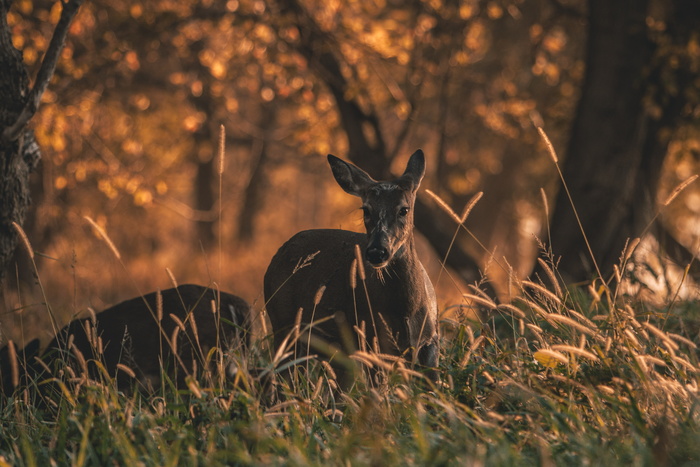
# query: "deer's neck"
405,272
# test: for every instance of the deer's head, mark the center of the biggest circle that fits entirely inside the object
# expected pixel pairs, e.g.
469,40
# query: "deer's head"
387,206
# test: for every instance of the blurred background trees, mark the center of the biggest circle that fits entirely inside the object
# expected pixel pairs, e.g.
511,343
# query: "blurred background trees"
129,128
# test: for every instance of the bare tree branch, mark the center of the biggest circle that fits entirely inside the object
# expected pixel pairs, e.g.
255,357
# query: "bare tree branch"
46,71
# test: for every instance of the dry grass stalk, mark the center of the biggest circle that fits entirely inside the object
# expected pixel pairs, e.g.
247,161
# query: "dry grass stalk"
517,312
478,291
686,364
43,365
651,359
681,186
631,247
89,334
471,350
329,369
480,300
573,383
372,359
93,315
360,332
81,359
575,350
319,295
535,307
360,263
669,348
304,262
25,240
542,290
159,305
661,335
14,363
594,295
171,276
535,329
222,148
549,354
317,388
363,330
543,195
444,206
297,324
548,143
582,318
469,206
127,370
173,339
195,330
617,274
682,339
193,386
178,322
574,324
104,237
552,278
470,334
353,274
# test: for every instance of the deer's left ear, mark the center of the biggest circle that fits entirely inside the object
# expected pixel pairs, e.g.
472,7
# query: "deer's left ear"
415,169
352,179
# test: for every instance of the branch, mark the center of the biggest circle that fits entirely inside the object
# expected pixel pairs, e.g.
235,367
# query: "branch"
48,66
366,145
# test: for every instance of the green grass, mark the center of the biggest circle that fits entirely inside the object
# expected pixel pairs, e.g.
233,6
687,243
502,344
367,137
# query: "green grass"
561,378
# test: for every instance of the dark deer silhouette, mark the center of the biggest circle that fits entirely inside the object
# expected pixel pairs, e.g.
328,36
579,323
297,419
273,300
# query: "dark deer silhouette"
139,338
315,272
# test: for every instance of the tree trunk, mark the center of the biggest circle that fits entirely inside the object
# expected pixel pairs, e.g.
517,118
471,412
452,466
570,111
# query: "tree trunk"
17,157
19,153
617,148
254,190
610,168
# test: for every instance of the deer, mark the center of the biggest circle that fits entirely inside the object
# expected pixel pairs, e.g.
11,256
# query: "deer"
138,340
313,277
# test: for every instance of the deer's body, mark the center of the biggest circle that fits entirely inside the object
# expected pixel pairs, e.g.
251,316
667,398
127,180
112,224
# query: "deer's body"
130,334
396,301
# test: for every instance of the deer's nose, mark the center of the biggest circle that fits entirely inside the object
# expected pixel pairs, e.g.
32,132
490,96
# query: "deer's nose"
377,255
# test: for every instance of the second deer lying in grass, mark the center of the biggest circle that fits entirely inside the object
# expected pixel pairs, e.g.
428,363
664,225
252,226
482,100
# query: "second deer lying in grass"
391,308
168,333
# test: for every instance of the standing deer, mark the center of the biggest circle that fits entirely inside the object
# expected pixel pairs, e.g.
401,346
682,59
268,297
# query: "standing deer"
395,303
172,331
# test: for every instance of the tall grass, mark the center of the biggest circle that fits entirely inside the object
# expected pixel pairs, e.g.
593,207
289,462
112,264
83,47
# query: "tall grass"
557,377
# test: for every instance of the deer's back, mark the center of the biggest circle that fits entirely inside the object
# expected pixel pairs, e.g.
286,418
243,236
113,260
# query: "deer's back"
131,334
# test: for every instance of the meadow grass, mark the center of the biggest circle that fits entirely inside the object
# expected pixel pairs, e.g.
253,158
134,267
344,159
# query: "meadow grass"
559,377
578,376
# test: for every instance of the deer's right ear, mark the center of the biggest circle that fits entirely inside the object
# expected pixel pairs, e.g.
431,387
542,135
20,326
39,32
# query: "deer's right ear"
350,178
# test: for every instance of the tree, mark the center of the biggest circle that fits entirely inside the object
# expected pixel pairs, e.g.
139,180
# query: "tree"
640,85
366,140
19,152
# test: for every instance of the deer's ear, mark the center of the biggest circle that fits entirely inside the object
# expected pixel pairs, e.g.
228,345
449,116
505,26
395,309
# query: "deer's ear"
415,169
350,178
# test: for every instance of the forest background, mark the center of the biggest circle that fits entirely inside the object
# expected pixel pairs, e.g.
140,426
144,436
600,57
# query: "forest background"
128,132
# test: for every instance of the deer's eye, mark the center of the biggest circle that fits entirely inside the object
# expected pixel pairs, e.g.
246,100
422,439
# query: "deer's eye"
403,212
